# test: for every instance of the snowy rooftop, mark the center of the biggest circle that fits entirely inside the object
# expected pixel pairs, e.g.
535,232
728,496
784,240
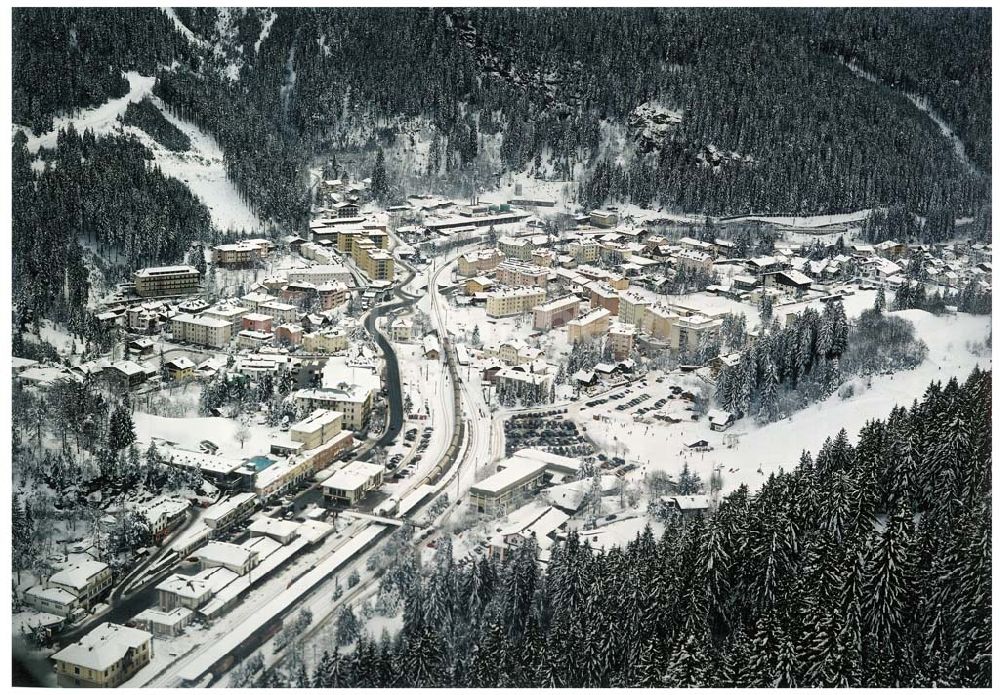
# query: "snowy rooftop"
225,553
317,420
206,321
205,462
78,573
53,594
352,476
170,619
165,506
105,645
274,527
220,509
515,472
166,270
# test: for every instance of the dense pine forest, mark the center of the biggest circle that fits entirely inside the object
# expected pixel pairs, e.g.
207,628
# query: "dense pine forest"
99,192
866,565
771,118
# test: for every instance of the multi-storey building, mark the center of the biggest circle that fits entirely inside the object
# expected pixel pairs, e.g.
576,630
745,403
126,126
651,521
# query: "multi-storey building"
331,294
516,273
631,307
621,338
105,657
516,247
511,302
168,281
479,262
240,255
280,312
556,313
593,324
603,296
76,586
226,312
330,340
202,330
319,274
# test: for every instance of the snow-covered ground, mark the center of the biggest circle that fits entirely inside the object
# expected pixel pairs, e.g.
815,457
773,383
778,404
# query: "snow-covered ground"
99,119
189,432
203,170
762,450
201,167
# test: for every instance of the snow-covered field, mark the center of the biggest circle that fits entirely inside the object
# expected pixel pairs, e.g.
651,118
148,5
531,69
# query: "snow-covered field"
762,450
189,432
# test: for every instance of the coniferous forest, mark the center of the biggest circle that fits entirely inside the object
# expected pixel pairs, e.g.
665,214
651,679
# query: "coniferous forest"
868,564
772,119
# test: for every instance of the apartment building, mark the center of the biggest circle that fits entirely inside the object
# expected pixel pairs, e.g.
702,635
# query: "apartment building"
631,307
76,586
167,281
516,273
692,260
603,296
227,312
621,338
591,325
658,321
317,429
280,312
201,330
479,262
511,302
376,263
355,402
332,294
691,333
584,250
320,274
353,482
240,255
328,341
515,247
255,321
556,313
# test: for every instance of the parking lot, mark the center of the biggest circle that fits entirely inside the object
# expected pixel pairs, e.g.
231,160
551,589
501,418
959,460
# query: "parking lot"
549,430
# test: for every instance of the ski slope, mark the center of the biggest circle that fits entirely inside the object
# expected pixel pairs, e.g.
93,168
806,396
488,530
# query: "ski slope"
202,167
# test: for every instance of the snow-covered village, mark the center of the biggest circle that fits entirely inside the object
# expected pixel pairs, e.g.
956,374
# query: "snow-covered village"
329,393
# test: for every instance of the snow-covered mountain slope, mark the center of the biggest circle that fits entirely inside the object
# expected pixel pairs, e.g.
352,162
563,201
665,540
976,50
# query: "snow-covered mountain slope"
204,172
201,167
99,119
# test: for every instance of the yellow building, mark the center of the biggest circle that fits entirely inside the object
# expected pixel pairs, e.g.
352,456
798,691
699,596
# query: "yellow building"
317,429
105,657
591,325
515,301
478,284
658,321
331,340
478,262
